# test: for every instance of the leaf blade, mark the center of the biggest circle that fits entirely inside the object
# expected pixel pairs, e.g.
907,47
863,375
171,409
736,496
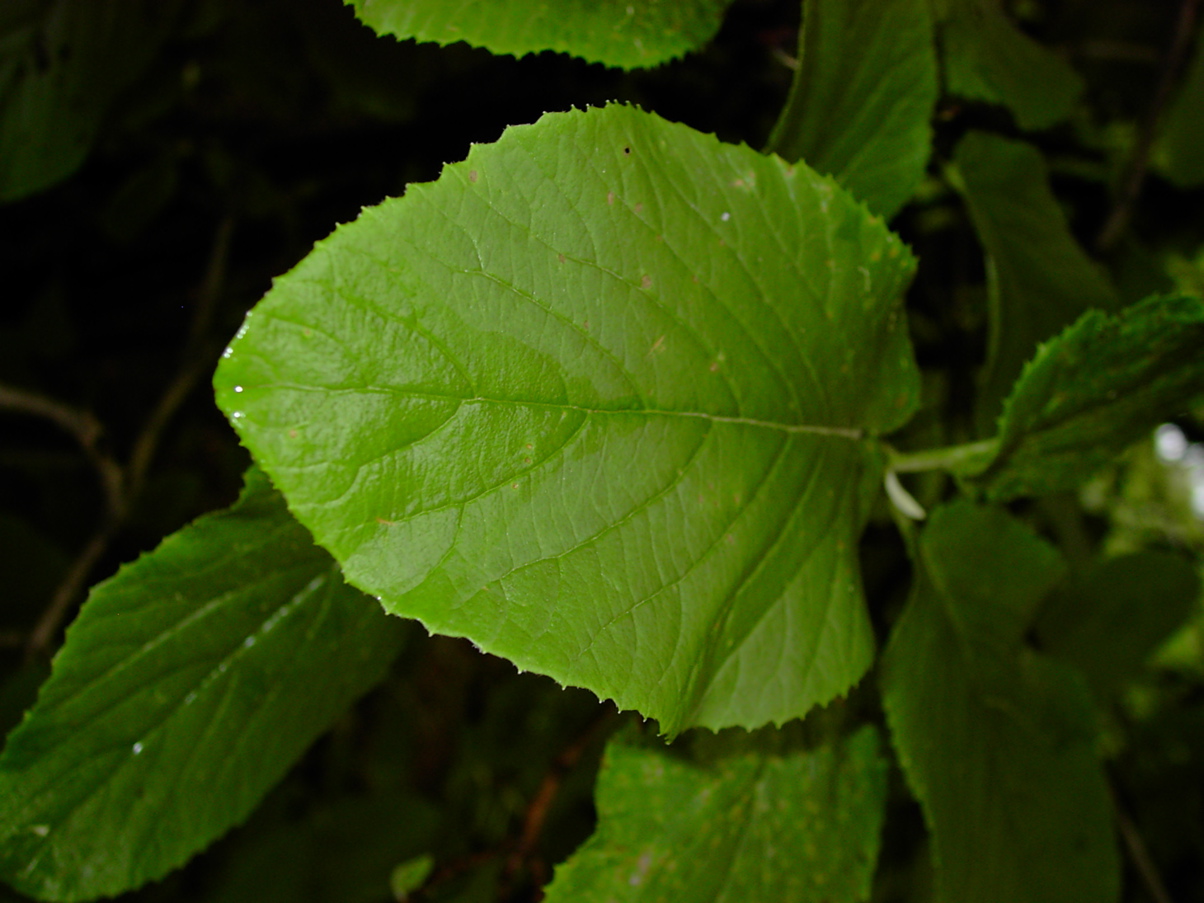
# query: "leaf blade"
979,720
862,97
177,692
1098,387
799,825
623,33
631,343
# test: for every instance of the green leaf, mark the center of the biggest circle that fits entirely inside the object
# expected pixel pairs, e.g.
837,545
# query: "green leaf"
1097,388
756,827
862,97
189,683
62,64
996,741
623,33
1179,150
602,399
1108,621
987,58
1040,279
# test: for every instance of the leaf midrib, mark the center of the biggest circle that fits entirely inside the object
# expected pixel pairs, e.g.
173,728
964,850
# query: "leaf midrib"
852,433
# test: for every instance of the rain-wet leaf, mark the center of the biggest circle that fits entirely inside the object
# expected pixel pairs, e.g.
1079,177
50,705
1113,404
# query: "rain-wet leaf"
580,401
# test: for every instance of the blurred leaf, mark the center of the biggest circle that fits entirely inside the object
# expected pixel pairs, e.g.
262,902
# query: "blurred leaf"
189,683
862,97
340,851
410,875
1039,278
1179,150
623,33
1109,621
997,742
1100,386
585,410
988,58
62,64
761,826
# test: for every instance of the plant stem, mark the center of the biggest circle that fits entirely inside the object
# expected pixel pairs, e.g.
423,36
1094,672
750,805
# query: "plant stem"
1139,160
949,458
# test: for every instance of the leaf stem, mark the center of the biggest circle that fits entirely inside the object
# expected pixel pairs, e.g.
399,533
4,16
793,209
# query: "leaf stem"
949,458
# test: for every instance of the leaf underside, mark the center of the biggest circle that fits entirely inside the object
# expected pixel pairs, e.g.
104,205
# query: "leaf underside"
188,684
602,399
862,97
756,827
623,33
979,720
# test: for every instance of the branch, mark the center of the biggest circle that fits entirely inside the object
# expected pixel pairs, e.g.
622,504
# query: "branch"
124,485
1139,159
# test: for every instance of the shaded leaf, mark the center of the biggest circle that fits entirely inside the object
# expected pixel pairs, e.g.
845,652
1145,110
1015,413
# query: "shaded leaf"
62,64
1040,279
988,58
862,97
189,683
1097,388
792,826
1179,150
996,741
1110,620
579,400
623,33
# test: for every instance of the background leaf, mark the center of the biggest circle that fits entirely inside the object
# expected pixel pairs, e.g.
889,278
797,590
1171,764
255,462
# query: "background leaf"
1179,151
585,409
760,826
996,741
62,64
1108,621
624,33
189,683
862,97
1039,278
1097,388
988,58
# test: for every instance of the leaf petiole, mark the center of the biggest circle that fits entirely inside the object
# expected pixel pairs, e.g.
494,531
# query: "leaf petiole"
952,458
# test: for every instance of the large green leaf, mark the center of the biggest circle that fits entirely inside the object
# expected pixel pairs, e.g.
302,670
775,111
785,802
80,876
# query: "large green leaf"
862,97
1040,279
189,683
1108,621
987,58
62,64
602,399
624,33
792,826
1179,151
997,741
1101,385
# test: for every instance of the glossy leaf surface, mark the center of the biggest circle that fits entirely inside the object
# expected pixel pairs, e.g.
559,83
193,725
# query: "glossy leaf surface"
601,399
988,58
187,686
862,97
794,826
623,33
1101,385
979,720
1039,278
